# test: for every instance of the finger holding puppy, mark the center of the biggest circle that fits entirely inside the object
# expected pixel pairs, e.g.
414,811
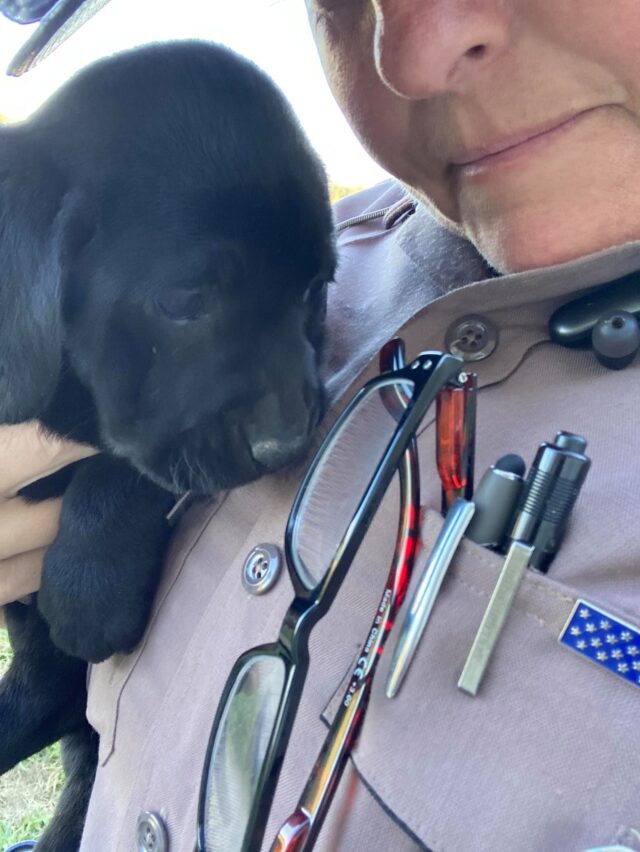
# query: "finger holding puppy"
20,575
27,526
28,453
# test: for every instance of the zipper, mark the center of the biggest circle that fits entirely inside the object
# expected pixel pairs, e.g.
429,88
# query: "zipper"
363,217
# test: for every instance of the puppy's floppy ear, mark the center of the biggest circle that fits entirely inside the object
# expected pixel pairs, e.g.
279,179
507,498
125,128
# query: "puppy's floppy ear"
35,207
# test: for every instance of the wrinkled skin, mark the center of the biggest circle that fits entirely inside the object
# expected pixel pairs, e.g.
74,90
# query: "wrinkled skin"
424,82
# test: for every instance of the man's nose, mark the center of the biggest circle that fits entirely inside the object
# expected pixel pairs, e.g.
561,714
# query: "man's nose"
427,47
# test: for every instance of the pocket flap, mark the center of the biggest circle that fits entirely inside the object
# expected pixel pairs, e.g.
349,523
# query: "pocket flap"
545,757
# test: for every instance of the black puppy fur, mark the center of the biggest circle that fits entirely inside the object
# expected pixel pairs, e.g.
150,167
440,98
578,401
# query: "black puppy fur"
165,245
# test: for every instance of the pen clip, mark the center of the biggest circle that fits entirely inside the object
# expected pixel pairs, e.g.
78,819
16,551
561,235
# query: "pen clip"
494,617
455,440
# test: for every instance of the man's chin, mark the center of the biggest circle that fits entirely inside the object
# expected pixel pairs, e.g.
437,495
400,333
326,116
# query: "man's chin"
524,242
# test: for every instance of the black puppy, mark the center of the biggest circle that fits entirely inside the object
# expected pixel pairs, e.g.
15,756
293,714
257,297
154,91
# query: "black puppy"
165,245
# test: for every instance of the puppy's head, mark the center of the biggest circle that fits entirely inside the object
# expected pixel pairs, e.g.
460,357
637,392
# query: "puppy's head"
201,347
194,265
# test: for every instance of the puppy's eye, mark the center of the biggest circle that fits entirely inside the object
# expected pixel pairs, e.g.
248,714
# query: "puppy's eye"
181,304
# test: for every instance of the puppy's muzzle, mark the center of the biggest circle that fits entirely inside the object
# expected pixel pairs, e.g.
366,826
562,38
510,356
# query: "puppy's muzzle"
273,453
278,431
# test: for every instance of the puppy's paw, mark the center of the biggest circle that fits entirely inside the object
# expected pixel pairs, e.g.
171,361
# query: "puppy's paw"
91,614
101,572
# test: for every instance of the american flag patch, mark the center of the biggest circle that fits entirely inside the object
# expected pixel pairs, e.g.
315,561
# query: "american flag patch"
603,639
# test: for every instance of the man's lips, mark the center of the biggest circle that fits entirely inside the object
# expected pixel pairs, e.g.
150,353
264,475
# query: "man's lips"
499,149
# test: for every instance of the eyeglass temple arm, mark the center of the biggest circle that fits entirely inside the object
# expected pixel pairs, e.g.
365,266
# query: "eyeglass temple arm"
302,827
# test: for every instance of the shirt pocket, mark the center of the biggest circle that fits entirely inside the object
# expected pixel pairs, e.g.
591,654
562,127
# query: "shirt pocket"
544,758
107,681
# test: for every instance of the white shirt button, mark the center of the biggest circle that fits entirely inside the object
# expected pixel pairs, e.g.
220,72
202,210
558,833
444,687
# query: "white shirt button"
151,835
261,568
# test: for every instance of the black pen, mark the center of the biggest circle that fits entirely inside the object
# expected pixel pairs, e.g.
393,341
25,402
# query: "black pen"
550,492
496,499
552,487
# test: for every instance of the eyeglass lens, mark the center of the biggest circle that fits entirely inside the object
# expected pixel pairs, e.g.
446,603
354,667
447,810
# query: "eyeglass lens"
340,479
239,750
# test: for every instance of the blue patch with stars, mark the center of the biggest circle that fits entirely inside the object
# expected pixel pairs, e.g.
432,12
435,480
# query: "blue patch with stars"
603,639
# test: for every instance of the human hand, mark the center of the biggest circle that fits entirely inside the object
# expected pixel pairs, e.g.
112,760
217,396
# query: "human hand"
27,529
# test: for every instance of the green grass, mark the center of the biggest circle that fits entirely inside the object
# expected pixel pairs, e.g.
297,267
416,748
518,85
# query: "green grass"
29,792
5,651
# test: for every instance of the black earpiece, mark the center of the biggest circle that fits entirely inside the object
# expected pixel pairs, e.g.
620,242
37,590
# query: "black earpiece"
616,339
605,318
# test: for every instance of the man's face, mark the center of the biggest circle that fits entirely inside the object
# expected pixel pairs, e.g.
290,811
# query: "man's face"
429,85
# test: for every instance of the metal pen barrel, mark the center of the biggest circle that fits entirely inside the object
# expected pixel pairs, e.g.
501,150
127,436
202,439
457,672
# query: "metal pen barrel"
426,593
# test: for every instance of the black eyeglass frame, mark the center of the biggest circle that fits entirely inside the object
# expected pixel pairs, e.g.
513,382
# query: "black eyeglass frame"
429,373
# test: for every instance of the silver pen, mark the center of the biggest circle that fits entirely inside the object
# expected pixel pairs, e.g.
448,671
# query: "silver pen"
457,520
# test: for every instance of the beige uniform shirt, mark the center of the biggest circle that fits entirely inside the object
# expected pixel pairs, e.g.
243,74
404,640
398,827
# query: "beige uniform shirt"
547,756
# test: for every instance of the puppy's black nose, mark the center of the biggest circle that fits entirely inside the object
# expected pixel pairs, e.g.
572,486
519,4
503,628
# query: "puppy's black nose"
274,453
277,428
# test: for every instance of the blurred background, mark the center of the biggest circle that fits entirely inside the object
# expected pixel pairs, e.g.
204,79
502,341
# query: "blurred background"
275,34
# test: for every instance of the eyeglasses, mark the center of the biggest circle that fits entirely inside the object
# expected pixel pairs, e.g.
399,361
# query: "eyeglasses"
331,513
301,829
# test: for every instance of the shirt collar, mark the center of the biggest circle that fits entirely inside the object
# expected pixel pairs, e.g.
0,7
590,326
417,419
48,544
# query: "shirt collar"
452,262
418,278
